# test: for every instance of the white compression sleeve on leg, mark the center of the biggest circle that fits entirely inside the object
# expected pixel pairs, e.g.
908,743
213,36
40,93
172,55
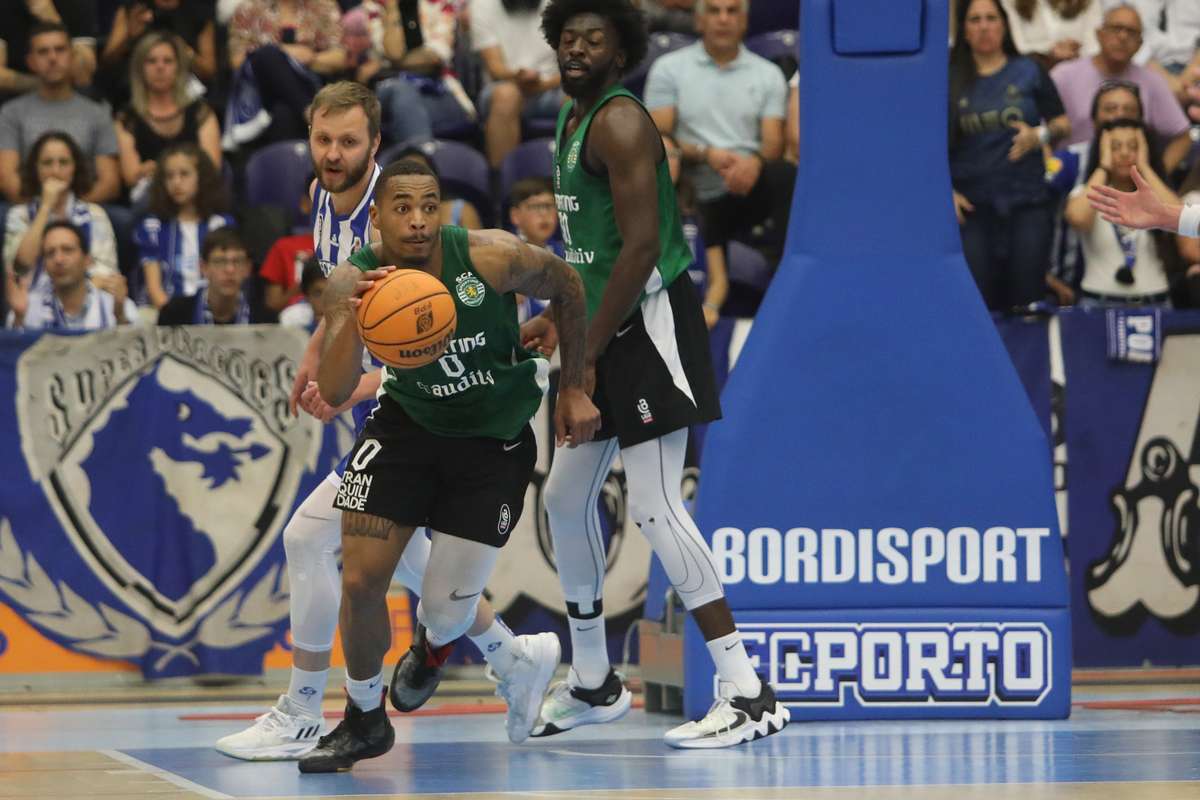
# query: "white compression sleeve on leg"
654,471
311,540
576,478
411,569
455,578
571,492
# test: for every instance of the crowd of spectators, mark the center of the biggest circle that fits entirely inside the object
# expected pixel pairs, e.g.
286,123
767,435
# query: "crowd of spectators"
1049,97
126,127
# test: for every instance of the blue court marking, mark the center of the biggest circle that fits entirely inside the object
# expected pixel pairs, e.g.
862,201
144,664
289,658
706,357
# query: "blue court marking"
867,754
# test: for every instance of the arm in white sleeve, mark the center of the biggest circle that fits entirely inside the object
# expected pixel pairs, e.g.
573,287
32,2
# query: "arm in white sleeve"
1189,221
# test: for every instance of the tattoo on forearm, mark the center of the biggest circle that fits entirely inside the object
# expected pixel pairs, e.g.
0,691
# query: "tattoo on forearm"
366,526
544,275
340,287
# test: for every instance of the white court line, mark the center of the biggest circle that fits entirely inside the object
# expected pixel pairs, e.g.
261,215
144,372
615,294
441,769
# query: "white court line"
709,754
166,775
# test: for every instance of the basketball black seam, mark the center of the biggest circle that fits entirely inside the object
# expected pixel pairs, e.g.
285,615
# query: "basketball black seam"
410,303
410,341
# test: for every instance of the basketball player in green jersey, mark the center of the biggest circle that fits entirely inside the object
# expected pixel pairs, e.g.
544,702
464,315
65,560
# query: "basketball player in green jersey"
647,348
449,447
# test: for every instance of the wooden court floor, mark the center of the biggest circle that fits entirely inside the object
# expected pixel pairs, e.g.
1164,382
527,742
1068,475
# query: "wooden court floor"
1122,741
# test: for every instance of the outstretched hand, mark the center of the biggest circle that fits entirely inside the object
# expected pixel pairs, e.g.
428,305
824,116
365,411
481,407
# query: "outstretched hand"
1140,208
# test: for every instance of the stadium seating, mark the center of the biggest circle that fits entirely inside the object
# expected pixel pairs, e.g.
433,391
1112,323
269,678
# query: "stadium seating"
532,159
463,169
778,47
275,176
660,44
772,15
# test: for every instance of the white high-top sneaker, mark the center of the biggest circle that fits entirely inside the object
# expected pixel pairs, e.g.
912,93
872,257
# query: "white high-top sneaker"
524,686
570,705
733,719
281,734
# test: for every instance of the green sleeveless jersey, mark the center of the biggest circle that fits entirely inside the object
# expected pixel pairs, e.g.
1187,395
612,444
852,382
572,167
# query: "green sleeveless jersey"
485,384
586,219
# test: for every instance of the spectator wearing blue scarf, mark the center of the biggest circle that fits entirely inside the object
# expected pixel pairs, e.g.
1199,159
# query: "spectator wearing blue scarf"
186,203
221,298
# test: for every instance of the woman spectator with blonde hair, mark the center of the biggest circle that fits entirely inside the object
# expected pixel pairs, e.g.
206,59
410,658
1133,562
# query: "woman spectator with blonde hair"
160,112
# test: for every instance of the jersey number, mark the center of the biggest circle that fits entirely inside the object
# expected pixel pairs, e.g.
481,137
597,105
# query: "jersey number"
565,227
370,448
452,365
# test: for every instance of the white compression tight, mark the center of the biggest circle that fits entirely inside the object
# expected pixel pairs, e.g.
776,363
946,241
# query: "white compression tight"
456,575
653,472
312,539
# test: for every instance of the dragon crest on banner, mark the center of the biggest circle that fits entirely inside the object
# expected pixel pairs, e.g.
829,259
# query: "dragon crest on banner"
170,460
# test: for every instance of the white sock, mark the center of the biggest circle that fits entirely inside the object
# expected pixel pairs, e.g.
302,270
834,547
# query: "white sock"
368,694
589,651
307,689
499,646
733,664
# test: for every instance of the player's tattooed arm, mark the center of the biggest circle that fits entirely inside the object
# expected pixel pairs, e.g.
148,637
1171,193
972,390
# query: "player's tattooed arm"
340,364
511,265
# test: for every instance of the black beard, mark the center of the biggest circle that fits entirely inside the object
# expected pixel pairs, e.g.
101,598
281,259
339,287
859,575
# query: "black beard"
588,85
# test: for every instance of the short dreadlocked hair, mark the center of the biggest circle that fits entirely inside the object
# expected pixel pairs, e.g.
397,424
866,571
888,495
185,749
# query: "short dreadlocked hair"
623,14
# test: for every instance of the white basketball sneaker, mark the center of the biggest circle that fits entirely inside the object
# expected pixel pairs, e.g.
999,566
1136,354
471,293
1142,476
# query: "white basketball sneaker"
525,684
733,720
281,734
570,705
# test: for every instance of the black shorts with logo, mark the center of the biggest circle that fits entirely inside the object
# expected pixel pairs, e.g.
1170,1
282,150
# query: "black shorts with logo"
470,487
656,374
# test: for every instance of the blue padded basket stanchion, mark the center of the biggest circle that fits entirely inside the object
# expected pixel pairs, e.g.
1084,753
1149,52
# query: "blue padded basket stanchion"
879,496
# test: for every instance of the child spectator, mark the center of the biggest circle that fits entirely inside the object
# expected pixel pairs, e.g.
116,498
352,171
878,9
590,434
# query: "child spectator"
282,269
221,300
533,216
186,204
67,300
1122,266
307,311
56,175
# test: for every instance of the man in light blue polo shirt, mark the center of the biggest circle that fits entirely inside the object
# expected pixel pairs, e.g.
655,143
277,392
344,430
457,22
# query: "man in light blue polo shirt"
726,106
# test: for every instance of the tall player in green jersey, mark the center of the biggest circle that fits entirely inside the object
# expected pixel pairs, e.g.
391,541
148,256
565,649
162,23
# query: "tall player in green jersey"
647,348
449,447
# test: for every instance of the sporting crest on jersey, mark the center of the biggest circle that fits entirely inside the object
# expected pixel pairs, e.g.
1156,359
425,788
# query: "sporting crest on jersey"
209,464
573,155
469,289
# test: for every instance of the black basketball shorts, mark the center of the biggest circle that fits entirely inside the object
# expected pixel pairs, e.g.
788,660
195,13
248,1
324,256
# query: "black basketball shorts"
656,374
469,487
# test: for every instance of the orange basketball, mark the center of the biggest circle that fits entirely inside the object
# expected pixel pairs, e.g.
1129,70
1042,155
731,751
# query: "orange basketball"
407,319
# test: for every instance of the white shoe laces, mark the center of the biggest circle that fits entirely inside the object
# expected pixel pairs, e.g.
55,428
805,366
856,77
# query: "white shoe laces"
274,719
719,719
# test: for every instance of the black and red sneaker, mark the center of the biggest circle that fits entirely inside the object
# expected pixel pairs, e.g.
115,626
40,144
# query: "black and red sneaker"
416,677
